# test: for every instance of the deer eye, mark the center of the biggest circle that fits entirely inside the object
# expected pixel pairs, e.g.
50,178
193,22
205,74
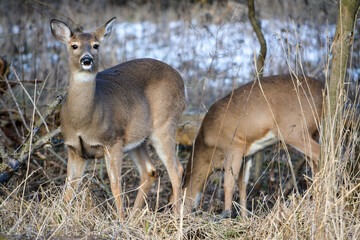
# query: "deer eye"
74,46
96,46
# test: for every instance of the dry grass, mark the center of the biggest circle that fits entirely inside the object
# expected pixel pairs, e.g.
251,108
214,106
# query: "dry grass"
32,206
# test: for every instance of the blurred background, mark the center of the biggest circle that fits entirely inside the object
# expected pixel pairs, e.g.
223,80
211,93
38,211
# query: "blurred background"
211,43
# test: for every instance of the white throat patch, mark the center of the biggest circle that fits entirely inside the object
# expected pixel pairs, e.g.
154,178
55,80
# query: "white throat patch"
84,77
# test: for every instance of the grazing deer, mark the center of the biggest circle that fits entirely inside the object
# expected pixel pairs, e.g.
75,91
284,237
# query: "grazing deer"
114,111
255,116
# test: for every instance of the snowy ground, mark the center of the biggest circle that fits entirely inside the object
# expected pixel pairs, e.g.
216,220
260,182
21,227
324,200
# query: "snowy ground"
227,49
208,56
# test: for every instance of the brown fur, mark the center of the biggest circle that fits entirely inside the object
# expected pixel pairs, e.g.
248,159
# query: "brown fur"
119,108
292,111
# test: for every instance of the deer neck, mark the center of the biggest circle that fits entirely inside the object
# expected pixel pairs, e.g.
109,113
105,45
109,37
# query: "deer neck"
81,94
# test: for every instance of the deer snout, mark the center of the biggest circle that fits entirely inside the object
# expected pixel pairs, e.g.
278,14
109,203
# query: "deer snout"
86,62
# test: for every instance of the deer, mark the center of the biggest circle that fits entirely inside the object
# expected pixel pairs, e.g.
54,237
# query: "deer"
258,114
114,111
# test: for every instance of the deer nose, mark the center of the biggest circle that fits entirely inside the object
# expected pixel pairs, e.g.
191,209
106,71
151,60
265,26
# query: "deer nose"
86,60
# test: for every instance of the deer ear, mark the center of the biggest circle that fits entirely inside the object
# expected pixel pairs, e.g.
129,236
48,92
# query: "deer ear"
104,31
60,31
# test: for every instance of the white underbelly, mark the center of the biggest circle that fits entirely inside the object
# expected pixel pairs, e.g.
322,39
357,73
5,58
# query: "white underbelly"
92,142
132,145
269,139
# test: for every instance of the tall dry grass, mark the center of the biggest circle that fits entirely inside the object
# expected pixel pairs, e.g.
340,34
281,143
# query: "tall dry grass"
32,206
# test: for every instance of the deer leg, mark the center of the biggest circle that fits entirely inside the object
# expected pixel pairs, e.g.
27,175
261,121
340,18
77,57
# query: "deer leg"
198,169
232,167
242,183
147,171
163,140
310,148
113,160
75,170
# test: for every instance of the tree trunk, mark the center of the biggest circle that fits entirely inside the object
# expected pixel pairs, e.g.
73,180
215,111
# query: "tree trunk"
261,58
340,55
341,49
258,158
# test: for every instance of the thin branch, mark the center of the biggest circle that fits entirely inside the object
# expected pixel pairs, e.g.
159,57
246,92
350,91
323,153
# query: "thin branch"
17,105
58,13
51,109
44,140
10,164
260,36
32,101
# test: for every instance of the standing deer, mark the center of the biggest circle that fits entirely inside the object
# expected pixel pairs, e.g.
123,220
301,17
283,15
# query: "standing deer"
255,116
114,111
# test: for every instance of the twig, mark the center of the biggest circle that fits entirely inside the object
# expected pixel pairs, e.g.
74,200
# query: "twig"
58,13
10,164
43,86
57,155
23,81
51,109
262,55
297,170
33,102
30,145
17,105
38,144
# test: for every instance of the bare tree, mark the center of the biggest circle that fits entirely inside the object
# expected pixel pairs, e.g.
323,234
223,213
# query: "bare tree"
341,49
342,42
258,158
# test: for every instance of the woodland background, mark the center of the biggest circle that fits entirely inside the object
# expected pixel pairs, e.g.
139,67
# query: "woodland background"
213,46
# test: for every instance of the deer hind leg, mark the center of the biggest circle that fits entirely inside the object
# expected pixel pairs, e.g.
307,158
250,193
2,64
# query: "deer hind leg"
113,160
75,170
147,171
232,167
163,140
242,183
309,147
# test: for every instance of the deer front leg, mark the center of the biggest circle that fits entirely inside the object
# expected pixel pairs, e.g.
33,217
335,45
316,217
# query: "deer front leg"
113,160
75,170
198,169
232,167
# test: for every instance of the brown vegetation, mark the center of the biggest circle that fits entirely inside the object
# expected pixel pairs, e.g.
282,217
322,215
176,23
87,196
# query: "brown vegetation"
31,202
